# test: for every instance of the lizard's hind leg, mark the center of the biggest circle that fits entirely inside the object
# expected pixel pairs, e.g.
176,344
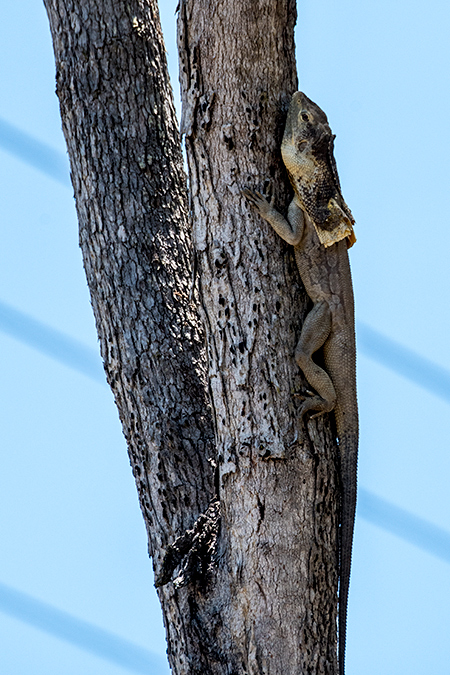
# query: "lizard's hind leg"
315,332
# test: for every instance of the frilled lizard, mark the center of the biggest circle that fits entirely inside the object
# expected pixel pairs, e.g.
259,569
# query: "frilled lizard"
319,225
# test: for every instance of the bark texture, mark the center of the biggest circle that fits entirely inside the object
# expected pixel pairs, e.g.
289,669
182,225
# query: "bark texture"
268,603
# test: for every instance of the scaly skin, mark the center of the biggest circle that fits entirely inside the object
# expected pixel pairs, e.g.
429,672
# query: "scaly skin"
319,226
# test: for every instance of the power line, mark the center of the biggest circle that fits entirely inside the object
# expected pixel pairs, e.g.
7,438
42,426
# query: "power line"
80,633
405,525
39,155
404,361
51,342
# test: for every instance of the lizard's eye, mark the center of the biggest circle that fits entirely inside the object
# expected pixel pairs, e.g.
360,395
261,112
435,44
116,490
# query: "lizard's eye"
305,116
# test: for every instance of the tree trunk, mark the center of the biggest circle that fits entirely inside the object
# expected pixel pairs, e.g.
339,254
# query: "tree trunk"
266,601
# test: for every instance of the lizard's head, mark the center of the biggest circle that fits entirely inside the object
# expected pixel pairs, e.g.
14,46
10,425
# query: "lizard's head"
307,131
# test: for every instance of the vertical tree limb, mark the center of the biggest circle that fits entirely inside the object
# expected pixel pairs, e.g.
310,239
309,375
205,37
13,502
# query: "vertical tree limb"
277,482
130,191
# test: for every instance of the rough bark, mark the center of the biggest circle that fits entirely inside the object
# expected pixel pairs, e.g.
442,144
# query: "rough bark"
267,602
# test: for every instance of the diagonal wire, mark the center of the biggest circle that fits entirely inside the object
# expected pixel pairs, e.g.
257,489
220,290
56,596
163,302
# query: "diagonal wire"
403,524
51,342
404,361
80,633
40,155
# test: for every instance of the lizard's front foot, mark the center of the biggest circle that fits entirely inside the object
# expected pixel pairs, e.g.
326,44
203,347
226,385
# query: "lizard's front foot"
259,201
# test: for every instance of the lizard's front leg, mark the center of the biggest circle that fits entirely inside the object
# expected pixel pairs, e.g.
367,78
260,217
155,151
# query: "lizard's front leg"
291,230
315,332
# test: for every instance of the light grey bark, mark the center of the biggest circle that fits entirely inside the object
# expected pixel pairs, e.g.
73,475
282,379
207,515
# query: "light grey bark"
267,604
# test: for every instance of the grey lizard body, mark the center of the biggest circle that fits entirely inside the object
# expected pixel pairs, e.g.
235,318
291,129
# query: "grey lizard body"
319,225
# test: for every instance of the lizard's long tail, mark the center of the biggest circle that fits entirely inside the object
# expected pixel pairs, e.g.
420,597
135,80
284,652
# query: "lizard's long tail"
348,450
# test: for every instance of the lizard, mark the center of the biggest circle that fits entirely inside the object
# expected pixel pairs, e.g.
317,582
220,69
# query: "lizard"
319,225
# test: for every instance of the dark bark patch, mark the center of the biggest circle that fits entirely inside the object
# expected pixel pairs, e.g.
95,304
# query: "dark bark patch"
193,551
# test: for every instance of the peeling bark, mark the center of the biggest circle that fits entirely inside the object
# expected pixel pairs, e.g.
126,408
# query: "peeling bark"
257,591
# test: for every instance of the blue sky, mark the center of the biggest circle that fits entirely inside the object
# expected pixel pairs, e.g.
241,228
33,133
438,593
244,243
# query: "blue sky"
70,525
